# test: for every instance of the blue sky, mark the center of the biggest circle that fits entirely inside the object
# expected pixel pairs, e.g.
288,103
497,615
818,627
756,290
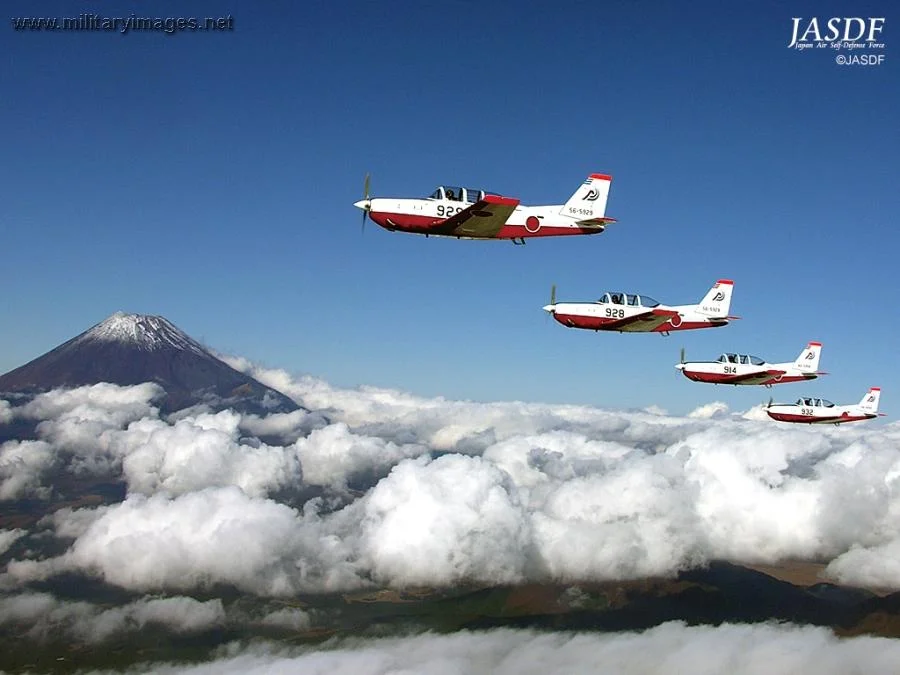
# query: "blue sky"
210,178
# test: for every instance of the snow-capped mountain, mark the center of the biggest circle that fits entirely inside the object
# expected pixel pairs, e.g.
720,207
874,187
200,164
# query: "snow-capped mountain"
129,349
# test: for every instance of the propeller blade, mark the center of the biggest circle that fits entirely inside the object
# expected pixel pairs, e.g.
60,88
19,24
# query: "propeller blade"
553,294
770,402
682,355
366,187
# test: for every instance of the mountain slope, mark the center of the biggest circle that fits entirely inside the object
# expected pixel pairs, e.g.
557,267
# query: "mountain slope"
129,349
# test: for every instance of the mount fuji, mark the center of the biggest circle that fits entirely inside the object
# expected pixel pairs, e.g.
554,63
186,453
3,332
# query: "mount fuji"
128,349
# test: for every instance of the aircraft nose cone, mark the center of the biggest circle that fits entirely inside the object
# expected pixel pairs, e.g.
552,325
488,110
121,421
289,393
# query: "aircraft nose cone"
680,366
549,308
364,204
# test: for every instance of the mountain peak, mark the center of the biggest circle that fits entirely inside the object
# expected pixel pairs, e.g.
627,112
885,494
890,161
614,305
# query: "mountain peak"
144,331
128,349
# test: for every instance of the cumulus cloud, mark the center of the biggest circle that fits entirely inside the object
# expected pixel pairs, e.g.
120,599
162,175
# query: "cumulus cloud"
716,409
6,411
21,465
201,452
669,648
413,491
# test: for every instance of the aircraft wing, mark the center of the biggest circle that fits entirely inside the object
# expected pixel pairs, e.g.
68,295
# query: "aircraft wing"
483,219
643,322
753,378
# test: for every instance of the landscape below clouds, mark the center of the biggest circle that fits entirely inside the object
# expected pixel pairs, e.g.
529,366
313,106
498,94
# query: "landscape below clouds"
118,518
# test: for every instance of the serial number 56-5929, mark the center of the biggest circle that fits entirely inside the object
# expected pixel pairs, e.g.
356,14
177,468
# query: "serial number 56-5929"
580,212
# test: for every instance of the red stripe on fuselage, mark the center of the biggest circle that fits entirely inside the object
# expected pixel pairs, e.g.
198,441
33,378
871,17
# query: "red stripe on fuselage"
406,222
806,419
600,323
721,378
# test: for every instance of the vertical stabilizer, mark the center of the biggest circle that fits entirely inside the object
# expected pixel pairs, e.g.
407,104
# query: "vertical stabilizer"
808,361
869,403
717,301
589,200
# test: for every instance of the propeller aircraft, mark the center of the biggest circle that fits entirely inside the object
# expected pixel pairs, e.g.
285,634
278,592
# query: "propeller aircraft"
822,411
632,313
469,213
751,370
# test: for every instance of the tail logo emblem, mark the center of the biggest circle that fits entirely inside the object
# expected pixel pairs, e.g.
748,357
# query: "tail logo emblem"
870,399
718,297
809,356
591,195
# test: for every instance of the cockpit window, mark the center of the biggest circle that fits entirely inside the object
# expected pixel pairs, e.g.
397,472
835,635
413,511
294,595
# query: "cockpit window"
616,298
824,402
453,193
756,361
647,301
436,194
473,195
723,358
604,298
632,300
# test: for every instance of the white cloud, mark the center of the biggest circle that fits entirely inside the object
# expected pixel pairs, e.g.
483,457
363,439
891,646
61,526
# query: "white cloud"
669,648
6,412
716,409
525,492
43,616
21,465
201,452
9,537
442,522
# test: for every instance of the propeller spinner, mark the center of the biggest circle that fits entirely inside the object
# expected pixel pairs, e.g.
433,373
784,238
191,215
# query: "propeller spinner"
552,306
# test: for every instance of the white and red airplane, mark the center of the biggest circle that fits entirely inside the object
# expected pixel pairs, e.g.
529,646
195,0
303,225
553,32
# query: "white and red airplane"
632,313
746,369
469,213
821,411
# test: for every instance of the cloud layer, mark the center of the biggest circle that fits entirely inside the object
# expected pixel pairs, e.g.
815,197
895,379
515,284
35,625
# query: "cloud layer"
403,491
669,648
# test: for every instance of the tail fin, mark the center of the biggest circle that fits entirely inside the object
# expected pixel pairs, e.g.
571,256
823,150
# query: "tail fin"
589,200
869,403
808,361
717,301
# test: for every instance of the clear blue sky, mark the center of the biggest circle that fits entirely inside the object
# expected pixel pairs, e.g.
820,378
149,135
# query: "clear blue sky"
210,178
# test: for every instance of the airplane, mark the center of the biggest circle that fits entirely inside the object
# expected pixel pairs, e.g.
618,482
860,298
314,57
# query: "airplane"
631,313
469,213
821,411
746,369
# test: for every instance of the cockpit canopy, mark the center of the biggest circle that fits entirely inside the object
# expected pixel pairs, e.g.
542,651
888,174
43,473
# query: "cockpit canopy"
457,194
630,299
746,359
815,402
